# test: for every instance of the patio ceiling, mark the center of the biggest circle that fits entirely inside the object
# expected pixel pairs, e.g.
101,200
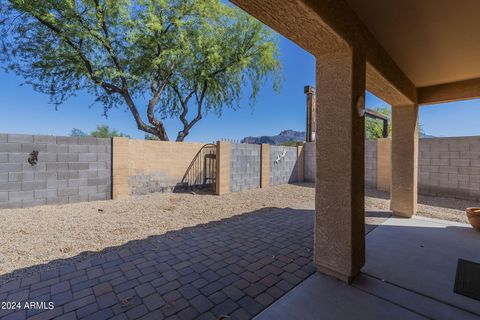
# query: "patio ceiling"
417,51
432,41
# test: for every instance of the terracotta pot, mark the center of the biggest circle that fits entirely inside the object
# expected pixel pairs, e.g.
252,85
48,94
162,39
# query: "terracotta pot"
473,215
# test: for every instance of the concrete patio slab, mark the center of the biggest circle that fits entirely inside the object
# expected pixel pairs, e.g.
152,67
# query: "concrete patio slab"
321,297
420,304
421,255
409,274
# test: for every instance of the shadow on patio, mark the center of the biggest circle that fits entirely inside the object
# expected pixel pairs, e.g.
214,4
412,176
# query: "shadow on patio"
235,266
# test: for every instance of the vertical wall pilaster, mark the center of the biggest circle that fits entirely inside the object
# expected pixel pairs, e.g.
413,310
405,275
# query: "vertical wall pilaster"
223,167
384,164
339,241
404,160
265,167
300,162
120,167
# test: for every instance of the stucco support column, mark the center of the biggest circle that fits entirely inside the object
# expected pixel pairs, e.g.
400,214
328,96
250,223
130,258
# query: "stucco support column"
404,160
340,210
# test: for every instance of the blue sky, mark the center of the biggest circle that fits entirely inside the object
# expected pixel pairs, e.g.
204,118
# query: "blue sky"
25,111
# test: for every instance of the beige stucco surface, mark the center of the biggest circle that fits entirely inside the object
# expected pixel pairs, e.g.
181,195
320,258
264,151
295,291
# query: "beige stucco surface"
340,210
432,41
384,164
145,157
404,160
223,167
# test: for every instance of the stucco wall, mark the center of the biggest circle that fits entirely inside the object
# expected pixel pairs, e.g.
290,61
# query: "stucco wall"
283,165
245,164
69,169
150,166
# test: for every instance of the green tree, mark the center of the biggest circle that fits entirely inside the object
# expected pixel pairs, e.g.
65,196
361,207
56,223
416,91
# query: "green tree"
104,131
182,58
291,143
374,128
77,133
151,137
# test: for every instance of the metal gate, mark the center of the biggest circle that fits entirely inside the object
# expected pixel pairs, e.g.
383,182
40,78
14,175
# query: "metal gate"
202,171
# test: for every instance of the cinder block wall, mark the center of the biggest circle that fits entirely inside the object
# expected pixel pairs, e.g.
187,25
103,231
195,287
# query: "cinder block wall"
245,166
450,167
69,170
283,165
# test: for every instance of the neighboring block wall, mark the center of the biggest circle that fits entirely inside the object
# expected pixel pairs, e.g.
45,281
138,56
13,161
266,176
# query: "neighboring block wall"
447,166
450,167
150,166
69,169
283,165
245,166
371,163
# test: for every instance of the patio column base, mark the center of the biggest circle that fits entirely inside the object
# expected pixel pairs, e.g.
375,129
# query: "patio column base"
335,274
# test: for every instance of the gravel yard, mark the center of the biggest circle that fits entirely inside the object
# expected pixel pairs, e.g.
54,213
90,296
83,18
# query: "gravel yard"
41,237
38,235
428,206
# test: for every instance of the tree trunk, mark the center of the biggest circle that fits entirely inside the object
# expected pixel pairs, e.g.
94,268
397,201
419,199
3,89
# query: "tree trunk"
161,133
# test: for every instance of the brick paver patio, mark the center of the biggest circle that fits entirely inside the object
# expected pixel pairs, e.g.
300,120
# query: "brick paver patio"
235,267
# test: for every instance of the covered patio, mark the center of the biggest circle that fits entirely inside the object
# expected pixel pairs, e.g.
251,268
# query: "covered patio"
262,264
407,54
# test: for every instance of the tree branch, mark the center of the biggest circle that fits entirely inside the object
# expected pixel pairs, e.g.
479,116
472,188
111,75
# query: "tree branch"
188,125
158,129
157,93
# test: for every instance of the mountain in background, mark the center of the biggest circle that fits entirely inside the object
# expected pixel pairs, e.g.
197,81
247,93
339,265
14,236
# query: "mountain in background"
291,137
285,137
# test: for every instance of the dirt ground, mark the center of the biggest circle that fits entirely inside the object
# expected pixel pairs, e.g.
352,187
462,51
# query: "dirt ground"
428,206
42,237
38,235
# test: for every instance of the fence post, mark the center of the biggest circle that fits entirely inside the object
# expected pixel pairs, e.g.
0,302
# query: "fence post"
384,164
223,167
265,166
120,167
300,162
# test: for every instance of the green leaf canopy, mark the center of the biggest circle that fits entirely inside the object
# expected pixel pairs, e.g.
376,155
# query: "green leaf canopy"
186,58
